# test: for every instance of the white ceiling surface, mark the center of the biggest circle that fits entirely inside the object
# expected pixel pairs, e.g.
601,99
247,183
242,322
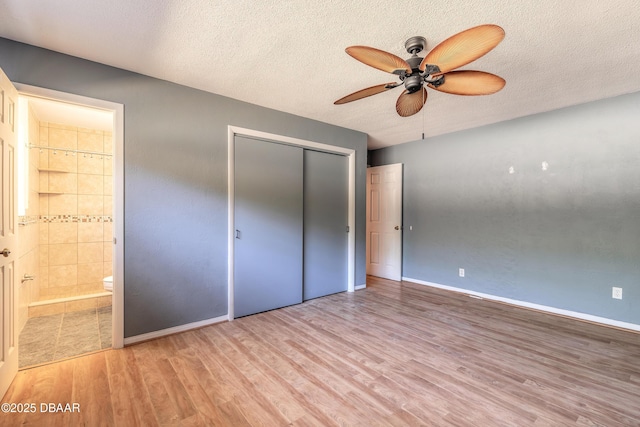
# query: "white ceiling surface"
289,55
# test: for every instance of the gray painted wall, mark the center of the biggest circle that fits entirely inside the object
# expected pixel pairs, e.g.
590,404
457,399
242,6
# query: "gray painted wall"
561,237
175,171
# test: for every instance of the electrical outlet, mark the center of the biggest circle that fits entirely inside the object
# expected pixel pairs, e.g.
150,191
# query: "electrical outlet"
461,272
616,293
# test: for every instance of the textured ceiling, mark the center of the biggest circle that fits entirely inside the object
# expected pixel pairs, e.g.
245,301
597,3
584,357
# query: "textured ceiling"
289,55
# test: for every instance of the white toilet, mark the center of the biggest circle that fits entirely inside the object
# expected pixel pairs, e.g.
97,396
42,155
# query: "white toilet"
108,283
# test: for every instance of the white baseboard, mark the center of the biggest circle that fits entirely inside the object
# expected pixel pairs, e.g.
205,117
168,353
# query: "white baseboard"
169,331
358,287
553,310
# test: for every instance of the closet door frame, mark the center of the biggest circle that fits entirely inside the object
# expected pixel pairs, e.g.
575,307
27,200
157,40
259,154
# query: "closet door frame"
234,131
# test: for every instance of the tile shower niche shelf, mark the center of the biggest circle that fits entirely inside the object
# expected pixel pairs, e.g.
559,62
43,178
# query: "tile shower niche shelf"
52,170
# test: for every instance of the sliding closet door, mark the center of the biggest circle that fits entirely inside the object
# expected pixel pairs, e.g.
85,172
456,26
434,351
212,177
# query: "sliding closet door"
268,222
325,223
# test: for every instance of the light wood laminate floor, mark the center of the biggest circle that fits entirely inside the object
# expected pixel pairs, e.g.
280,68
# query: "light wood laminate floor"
394,354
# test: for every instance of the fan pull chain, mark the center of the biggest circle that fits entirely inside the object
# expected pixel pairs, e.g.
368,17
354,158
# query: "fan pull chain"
422,113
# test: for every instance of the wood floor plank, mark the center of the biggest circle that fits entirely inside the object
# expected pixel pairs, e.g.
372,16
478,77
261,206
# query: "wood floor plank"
338,352
188,373
312,389
211,374
393,354
321,381
121,390
240,370
233,415
91,406
164,408
270,369
325,369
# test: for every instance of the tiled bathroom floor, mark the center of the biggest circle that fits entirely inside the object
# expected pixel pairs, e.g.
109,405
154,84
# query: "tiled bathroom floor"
48,338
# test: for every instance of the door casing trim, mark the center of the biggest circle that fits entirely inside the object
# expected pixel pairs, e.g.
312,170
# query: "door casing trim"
118,192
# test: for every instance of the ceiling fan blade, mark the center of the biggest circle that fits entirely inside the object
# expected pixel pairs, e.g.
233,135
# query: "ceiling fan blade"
379,59
470,83
373,90
464,47
410,103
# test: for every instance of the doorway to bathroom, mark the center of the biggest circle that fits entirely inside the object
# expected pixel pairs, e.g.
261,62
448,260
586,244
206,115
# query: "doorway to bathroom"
71,181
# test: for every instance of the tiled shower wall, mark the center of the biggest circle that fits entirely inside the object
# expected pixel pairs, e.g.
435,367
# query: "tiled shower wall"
75,211
28,233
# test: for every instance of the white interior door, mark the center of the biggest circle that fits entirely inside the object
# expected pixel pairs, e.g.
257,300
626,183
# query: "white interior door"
384,221
8,238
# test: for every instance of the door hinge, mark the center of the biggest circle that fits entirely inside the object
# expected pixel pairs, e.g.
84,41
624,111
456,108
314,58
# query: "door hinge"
347,228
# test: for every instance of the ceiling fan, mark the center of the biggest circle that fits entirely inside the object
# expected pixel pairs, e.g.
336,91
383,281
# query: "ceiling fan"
435,70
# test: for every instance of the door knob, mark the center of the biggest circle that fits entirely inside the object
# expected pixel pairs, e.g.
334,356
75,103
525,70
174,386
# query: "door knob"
5,252
397,227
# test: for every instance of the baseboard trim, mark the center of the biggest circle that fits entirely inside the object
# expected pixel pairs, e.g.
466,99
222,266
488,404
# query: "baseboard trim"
548,309
358,287
176,329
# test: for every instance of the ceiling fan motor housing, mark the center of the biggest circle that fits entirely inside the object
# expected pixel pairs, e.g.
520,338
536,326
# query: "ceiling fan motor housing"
413,82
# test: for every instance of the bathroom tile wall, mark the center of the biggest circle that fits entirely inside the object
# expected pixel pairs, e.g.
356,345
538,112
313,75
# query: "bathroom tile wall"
75,212
28,230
